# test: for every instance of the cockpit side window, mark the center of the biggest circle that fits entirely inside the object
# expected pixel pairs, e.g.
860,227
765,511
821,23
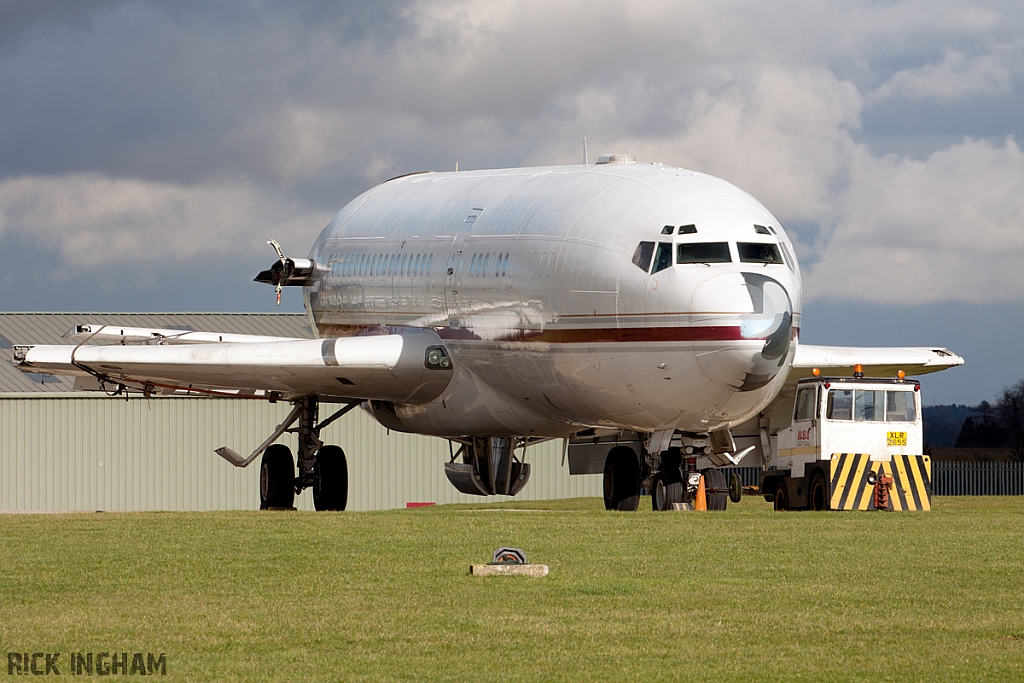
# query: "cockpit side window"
642,256
761,230
703,252
690,229
663,259
758,252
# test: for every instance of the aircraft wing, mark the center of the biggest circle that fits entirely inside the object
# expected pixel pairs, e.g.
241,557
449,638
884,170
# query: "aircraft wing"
876,361
410,367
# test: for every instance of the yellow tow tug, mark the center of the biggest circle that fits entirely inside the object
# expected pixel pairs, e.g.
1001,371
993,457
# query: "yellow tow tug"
855,443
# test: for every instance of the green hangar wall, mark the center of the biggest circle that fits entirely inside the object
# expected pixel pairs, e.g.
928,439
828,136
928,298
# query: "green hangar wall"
64,450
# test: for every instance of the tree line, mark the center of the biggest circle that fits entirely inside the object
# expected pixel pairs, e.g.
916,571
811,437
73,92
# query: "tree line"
996,425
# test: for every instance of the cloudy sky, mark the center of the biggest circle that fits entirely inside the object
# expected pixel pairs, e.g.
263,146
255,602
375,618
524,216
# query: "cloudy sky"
148,150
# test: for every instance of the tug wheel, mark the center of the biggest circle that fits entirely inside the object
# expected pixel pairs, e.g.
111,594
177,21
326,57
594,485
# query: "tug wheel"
781,496
817,496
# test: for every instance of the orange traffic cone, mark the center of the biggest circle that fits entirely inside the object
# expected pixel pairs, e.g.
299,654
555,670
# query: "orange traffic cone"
701,502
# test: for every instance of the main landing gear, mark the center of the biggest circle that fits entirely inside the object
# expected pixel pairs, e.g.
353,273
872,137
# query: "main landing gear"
667,476
322,468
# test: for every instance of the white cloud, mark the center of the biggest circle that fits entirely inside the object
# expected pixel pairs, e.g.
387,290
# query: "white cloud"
955,77
97,222
948,228
159,137
784,137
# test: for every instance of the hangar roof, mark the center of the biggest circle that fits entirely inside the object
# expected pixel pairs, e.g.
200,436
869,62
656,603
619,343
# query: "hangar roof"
49,328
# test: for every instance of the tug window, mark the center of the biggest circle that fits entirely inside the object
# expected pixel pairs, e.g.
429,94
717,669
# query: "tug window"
758,252
840,404
805,403
642,256
900,406
867,406
663,259
871,405
703,252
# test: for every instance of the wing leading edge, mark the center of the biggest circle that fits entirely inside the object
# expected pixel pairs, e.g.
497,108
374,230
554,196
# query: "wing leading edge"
876,361
411,367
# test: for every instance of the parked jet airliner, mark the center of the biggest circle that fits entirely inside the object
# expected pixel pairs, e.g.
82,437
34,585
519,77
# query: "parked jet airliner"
499,308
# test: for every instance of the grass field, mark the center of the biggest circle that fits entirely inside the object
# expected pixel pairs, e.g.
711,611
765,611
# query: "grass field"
743,595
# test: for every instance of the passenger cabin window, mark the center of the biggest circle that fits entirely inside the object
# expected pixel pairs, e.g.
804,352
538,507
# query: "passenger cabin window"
703,252
758,252
663,259
805,403
690,229
642,256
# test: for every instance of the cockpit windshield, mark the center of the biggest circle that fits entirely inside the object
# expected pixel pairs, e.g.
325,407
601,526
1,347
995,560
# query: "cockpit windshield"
703,252
759,252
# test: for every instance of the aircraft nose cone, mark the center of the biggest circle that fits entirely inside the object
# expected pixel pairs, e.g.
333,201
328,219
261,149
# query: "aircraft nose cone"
762,310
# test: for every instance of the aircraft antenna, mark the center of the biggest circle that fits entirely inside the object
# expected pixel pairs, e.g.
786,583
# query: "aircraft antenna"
456,167
585,162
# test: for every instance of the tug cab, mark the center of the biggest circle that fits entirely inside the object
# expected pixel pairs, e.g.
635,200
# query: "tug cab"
855,443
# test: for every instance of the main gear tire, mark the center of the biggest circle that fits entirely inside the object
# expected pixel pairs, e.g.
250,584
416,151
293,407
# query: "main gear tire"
277,478
330,479
621,480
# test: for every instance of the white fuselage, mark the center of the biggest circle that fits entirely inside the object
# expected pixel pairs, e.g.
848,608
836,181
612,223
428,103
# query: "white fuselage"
529,276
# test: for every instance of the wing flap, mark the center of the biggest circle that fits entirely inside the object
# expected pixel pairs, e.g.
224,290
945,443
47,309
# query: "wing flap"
391,367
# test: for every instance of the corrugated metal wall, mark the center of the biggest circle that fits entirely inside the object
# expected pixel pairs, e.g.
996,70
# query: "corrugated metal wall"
74,452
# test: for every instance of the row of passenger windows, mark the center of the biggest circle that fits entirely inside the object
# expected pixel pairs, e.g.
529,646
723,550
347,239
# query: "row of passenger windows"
374,265
503,264
859,405
702,252
493,265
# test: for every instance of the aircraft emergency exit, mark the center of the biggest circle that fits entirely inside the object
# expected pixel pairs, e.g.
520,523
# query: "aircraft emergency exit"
501,308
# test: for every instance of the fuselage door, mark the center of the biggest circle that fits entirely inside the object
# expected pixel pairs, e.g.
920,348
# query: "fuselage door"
453,276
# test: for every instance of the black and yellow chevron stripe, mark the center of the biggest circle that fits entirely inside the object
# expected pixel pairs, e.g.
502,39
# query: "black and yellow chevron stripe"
912,481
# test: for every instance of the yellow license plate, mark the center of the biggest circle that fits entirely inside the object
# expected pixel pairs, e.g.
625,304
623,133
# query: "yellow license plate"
896,439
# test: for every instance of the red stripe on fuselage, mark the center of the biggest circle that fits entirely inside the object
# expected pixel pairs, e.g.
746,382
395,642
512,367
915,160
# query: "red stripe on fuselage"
577,335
